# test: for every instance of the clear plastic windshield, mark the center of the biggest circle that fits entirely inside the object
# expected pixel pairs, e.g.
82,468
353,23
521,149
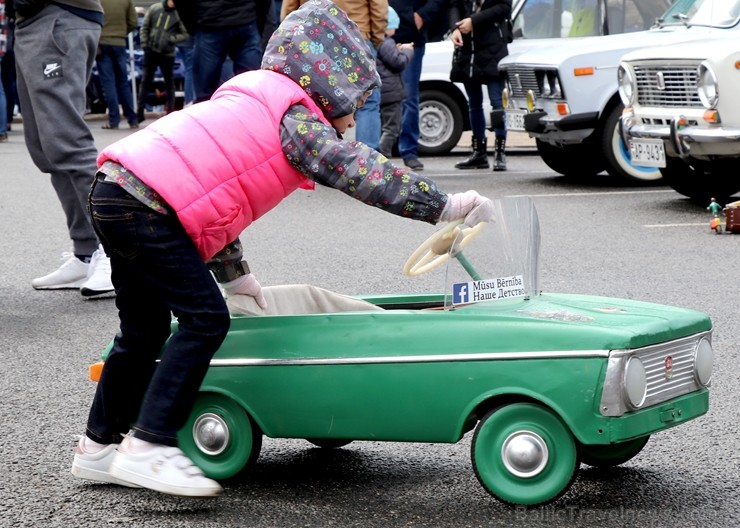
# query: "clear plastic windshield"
501,261
714,13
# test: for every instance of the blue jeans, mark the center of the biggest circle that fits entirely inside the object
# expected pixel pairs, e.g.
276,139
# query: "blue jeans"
3,107
187,58
367,117
475,107
240,43
408,141
156,272
113,72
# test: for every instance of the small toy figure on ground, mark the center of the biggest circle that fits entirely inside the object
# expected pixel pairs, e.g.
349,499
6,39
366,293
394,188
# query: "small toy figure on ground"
716,209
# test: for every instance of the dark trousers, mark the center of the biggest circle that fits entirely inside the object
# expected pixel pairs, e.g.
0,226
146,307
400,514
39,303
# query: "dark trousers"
391,126
166,64
157,272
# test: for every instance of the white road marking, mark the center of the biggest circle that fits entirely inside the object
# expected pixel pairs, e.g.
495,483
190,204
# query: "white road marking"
558,195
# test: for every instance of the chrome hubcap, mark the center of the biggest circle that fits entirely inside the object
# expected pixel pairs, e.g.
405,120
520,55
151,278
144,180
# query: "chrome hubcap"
211,434
524,454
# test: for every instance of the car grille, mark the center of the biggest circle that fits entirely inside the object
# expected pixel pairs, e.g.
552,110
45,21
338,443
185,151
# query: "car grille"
667,86
663,384
523,79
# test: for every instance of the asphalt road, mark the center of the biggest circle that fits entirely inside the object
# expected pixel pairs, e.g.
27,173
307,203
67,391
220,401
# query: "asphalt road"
598,237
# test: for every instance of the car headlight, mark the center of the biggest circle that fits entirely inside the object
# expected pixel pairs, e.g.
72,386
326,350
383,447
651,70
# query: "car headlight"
627,85
703,362
706,83
635,382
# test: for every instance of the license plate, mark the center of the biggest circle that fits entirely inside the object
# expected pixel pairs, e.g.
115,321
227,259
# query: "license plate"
647,153
514,120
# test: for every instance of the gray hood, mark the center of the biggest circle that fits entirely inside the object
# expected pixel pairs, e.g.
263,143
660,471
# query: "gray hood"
323,51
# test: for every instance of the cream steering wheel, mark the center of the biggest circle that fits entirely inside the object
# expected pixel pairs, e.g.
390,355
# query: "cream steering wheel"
436,249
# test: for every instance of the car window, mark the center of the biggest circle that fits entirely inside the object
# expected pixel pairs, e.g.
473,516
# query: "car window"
586,18
716,13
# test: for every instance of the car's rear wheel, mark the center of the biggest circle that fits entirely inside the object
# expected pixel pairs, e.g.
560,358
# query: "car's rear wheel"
571,160
440,122
523,453
220,437
617,155
328,443
702,180
613,454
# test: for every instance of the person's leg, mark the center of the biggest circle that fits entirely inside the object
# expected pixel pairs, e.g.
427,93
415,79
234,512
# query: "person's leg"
167,65
391,119
3,115
52,96
367,117
107,74
479,157
186,52
408,140
208,58
244,48
495,89
123,85
148,66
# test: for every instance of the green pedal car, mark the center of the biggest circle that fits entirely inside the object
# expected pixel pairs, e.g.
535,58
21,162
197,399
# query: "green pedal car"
546,381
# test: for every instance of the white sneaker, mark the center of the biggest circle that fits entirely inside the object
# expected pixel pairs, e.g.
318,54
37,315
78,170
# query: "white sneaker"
98,281
95,465
162,468
71,274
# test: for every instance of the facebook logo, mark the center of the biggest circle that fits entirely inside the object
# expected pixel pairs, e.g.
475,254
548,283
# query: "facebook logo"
461,293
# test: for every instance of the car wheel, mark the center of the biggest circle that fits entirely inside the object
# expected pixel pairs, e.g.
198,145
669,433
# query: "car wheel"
220,437
702,181
523,453
612,455
617,155
440,123
328,443
571,160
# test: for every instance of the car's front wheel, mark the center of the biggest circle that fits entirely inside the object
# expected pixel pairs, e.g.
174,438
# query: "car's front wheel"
440,122
523,453
220,437
617,155
702,180
571,160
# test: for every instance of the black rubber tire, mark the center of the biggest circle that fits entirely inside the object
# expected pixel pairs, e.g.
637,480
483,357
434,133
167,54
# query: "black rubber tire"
701,180
571,160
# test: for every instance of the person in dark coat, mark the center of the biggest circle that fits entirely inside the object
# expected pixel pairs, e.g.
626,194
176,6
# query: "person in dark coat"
416,17
481,30
392,60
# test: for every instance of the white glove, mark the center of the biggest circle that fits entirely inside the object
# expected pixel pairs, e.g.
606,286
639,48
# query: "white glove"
246,285
469,205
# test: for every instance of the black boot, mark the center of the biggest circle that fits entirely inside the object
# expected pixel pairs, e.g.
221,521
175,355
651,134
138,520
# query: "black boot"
499,160
479,158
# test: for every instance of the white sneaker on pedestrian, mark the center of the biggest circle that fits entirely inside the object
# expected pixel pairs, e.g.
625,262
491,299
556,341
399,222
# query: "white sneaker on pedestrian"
98,281
162,468
71,274
94,464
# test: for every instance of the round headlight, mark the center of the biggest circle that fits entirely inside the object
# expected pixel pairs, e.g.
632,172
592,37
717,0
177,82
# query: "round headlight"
706,83
626,85
635,382
703,361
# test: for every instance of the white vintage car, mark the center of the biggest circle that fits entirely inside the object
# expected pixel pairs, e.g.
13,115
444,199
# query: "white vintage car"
566,95
443,112
682,114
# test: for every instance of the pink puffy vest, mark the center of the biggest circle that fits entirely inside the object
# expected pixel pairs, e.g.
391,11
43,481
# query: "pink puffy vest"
220,164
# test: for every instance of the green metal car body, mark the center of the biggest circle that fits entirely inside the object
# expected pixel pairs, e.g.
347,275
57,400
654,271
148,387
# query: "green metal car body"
547,381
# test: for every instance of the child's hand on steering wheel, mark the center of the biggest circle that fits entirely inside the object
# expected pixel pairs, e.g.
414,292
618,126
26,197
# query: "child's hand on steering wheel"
470,206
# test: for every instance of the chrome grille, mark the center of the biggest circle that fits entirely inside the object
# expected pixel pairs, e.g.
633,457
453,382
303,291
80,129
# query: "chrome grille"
667,85
522,79
660,386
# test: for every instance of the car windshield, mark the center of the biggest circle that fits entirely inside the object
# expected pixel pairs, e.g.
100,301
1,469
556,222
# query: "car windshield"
712,13
585,18
502,262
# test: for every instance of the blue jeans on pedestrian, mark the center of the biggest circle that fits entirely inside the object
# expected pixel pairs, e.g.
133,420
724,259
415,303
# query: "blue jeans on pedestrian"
240,43
113,71
156,271
475,106
186,52
367,117
408,141
3,108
